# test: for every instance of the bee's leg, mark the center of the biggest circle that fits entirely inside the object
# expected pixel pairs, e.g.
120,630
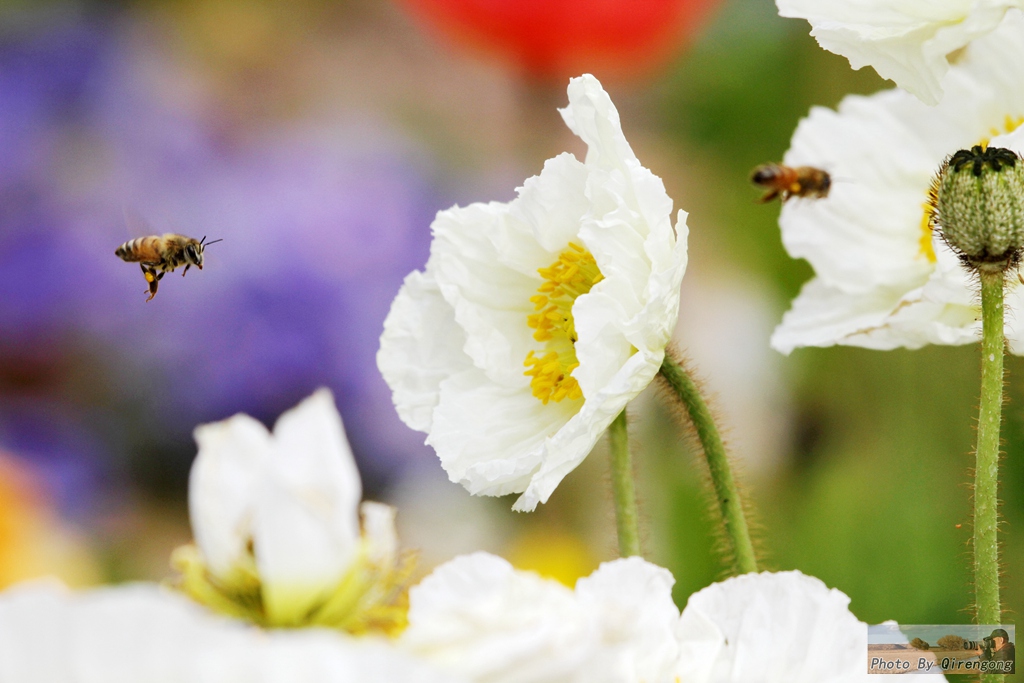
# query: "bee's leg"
769,196
187,266
153,278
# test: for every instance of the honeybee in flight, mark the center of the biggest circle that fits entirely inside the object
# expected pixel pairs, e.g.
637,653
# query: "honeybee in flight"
160,254
785,181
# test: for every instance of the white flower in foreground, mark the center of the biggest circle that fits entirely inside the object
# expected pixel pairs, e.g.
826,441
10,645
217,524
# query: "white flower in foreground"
773,627
276,523
480,618
142,633
908,42
883,280
535,322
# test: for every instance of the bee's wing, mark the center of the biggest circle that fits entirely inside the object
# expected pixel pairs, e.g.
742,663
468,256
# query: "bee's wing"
136,225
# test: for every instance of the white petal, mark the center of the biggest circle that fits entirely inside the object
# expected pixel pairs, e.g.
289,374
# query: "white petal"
307,527
550,206
420,346
594,119
572,443
1014,324
860,236
379,532
633,600
318,655
142,632
224,486
481,618
491,439
777,627
112,635
907,42
823,316
491,299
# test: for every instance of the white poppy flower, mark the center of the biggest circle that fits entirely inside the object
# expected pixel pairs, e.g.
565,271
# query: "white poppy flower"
768,627
134,633
535,322
276,523
908,42
482,619
883,280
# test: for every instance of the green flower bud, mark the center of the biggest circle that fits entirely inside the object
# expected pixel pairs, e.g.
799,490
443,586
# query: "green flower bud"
979,206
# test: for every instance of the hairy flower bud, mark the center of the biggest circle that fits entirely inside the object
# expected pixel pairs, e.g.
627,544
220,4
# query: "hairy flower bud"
978,206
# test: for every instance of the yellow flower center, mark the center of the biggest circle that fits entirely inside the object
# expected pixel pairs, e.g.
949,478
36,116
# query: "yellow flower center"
369,597
925,241
1010,124
571,275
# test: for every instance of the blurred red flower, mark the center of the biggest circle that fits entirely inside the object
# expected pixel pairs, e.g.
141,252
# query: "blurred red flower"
556,39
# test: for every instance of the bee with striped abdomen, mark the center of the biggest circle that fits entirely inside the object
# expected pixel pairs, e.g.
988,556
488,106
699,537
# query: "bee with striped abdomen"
785,181
160,254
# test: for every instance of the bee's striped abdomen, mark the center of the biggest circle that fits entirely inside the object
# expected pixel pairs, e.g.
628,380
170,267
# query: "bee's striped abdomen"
144,249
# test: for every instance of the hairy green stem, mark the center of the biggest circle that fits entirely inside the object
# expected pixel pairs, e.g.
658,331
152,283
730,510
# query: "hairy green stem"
986,472
627,520
728,495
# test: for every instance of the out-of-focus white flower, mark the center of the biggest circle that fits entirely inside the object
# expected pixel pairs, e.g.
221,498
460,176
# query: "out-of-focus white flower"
136,633
576,282
883,280
768,627
480,618
276,523
908,42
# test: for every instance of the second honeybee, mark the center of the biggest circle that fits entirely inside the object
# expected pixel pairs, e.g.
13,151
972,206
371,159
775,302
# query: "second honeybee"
786,181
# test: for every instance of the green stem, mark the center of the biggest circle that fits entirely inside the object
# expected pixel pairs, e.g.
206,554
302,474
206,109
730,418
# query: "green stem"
986,472
729,502
626,517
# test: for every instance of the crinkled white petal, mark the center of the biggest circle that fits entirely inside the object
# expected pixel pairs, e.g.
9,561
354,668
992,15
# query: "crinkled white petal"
491,299
224,485
876,285
481,618
908,42
420,346
568,447
775,627
633,600
306,528
491,434
142,632
491,438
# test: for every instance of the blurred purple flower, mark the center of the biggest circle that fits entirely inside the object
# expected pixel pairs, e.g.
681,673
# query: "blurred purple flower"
319,224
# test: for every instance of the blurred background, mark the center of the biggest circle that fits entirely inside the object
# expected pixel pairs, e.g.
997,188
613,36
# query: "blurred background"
318,138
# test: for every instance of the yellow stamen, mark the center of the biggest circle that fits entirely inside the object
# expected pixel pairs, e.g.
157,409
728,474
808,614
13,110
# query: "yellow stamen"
1010,124
928,221
368,598
569,277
